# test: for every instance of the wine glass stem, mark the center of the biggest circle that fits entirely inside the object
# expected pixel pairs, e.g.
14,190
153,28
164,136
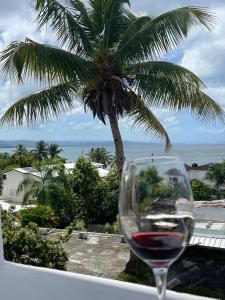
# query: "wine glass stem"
160,275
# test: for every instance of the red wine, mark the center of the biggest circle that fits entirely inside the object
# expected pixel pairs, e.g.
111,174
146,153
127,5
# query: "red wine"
162,240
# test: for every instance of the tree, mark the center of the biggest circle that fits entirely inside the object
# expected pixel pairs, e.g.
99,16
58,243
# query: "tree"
216,173
54,150
201,191
84,181
34,190
27,245
41,151
113,58
1,184
22,156
100,155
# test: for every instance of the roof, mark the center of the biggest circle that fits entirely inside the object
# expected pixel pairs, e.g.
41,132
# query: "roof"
69,166
173,172
197,168
28,170
207,240
212,204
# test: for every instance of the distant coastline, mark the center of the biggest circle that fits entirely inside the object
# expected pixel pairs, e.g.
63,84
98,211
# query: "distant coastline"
30,143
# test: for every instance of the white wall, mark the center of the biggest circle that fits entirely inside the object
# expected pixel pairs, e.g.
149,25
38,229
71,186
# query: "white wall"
10,185
210,213
199,175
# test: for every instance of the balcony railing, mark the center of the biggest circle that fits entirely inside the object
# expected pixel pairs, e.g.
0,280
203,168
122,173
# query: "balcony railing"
20,282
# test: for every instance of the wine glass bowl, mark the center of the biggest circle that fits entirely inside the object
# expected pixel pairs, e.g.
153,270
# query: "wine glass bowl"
156,212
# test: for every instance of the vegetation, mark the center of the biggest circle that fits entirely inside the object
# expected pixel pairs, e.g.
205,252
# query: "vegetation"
100,155
216,173
54,150
41,151
1,183
22,157
34,190
41,215
113,57
27,245
80,194
201,191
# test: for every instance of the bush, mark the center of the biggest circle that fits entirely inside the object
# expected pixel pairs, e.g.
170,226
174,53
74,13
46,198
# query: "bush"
42,215
140,274
113,228
201,191
64,203
27,245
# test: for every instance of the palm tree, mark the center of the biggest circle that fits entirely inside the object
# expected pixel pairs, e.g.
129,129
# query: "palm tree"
111,58
41,151
34,189
20,150
54,150
216,173
100,155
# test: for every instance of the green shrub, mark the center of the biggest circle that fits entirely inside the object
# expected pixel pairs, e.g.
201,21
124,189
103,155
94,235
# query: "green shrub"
113,228
27,245
42,215
201,191
140,274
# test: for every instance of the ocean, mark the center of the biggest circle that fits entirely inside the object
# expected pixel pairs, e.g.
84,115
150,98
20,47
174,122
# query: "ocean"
201,154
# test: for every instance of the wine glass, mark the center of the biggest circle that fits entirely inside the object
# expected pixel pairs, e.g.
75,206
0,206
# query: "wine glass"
156,212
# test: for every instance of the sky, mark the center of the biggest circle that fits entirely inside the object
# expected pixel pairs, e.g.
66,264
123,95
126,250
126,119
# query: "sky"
203,53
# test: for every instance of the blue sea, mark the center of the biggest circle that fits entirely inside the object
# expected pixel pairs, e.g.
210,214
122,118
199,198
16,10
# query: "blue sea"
201,154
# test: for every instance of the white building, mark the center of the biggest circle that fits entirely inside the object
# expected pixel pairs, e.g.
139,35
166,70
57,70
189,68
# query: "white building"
199,172
13,178
11,181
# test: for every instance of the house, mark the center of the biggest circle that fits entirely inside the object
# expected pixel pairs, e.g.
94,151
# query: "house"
199,173
174,176
13,178
11,181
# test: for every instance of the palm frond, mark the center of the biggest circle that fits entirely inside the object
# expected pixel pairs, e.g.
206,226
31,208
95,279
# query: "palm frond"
114,21
141,115
162,34
41,105
166,85
69,23
163,70
21,60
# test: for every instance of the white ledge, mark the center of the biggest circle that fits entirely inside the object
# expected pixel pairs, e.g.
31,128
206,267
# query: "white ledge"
20,282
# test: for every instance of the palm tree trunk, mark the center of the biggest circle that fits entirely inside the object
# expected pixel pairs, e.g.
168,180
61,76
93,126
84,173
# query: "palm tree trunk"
120,159
117,141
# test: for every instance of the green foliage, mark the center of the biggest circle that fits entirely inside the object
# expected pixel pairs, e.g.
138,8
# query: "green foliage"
201,191
41,150
100,155
64,203
216,173
1,183
54,150
42,215
107,194
140,274
146,179
84,181
113,228
27,245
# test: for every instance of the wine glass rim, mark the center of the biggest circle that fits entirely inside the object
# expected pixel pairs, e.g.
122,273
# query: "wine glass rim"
168,159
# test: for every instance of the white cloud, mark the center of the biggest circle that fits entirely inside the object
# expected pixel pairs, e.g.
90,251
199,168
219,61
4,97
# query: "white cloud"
211,131
171,121
83,125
